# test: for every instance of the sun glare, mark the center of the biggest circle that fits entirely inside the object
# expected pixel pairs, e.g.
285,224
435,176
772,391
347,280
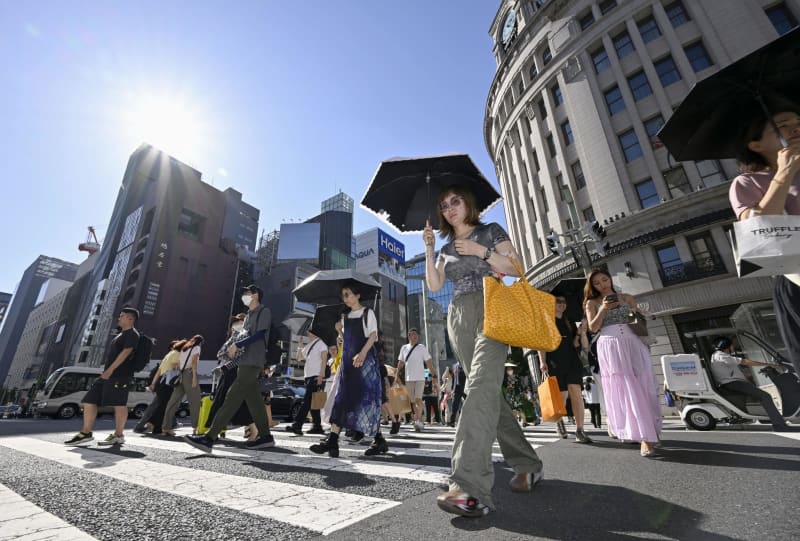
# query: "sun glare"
168,123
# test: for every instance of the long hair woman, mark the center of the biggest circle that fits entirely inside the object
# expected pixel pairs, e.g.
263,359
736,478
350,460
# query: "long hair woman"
626,367
474,250
188,386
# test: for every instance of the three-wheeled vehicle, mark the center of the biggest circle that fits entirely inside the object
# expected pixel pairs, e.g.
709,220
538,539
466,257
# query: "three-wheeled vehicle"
702,403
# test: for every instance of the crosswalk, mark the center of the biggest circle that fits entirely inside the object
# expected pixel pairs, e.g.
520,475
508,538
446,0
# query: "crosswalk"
283,488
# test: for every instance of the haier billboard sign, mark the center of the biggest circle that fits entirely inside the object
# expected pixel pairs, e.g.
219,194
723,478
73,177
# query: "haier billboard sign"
391,247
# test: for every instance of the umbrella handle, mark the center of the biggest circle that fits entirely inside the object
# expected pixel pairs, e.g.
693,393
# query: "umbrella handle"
428,183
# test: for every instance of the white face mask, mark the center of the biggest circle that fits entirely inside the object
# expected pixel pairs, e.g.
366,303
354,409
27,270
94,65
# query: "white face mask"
246,299
238,327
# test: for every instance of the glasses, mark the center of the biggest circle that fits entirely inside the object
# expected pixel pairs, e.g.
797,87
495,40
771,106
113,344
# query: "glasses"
455,202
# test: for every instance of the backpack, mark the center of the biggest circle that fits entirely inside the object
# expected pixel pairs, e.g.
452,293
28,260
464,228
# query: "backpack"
141,355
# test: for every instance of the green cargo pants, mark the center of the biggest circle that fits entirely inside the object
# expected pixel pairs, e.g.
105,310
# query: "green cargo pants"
485,414
244,389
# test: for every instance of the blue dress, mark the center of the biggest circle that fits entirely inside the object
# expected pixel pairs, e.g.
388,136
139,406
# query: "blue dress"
357,405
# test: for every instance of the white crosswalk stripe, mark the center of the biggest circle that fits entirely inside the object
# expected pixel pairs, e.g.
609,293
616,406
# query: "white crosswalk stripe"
166,465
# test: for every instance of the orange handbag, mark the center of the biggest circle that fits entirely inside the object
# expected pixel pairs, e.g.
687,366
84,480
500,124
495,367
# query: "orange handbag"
550,400
519,315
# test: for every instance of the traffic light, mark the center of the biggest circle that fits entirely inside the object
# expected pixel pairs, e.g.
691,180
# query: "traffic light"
596,231
554,244
601,247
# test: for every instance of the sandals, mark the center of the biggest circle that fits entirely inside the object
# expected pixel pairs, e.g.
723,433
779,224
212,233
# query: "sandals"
462,504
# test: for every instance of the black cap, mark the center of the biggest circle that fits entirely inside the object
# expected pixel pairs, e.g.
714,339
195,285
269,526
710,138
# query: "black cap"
252,288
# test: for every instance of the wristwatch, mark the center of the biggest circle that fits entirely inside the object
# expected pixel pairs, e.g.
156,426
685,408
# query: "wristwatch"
488,253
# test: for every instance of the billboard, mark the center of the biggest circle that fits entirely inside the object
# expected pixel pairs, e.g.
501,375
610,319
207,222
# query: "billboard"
378,252
299,241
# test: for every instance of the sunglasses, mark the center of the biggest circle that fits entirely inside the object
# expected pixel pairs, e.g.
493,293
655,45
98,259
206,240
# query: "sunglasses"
454,202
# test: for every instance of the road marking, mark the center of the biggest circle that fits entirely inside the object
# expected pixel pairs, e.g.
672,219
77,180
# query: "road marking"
24,520
320,510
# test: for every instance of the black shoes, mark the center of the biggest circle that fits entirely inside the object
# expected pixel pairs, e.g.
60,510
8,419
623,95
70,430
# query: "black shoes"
316,430
395,427
263,442
329,444
581,437
203,443
378,447
80,438
354,436
294,429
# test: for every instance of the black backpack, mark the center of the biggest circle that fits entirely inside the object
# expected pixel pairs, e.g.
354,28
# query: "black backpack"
141,355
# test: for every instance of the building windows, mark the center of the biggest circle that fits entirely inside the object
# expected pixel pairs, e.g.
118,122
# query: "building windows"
536,161
704,251
547,56
654,124
669,263
698,56
640,86
614,100
588,214
623,44
648,28
569,224
711,172
191,224
667,71
648,195
563,190
542,110
521,86
586,20
630,145
577,175
545,206
566,133
551,145
677,14
607,5
781,18
532,72
677,182
558,98
600,60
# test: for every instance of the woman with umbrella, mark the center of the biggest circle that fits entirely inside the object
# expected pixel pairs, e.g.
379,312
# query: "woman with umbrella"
770,184
474,250
357,405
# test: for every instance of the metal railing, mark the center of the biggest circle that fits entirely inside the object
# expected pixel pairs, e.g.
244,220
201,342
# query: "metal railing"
693,270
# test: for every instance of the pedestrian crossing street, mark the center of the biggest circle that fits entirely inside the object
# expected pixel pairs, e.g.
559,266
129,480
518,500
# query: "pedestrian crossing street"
285,489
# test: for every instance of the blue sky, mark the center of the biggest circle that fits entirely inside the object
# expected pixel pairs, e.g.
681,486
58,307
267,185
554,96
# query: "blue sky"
287,102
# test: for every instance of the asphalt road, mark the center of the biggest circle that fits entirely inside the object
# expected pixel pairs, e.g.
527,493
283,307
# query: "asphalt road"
725,484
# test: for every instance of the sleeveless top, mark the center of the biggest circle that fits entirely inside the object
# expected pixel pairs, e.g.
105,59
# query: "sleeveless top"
618,315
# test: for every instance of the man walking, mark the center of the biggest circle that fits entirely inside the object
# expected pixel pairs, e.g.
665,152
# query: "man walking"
111,388
414,356
245,386
315,354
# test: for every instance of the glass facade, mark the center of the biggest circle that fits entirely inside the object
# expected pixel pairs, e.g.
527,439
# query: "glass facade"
437,303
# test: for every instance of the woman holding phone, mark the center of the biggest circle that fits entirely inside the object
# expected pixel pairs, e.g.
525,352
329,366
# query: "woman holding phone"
626,368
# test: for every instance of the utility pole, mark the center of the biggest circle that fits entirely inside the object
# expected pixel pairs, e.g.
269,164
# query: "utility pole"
580,242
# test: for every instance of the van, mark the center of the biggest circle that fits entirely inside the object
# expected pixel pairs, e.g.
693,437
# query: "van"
63,391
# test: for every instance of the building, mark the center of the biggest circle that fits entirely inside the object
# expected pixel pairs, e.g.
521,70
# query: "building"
5,300
383,257
29,294
336,232
172,250
433,329
581,89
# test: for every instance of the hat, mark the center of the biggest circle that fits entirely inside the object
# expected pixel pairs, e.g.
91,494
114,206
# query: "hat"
252,288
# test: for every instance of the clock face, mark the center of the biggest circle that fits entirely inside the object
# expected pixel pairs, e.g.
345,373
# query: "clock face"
508,26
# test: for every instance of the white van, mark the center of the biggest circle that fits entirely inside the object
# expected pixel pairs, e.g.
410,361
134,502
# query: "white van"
63,391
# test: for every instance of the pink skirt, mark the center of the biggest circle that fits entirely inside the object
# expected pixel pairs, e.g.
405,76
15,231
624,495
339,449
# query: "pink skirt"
629,385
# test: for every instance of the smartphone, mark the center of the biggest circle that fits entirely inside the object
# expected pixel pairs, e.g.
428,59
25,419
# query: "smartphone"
611,298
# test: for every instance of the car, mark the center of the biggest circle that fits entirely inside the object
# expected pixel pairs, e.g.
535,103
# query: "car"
286,400
11,411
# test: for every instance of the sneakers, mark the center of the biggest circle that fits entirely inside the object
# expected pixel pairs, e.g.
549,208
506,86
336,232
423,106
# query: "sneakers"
316,430
524,482
204,443
79,439
263,442
329,444
112,439
294,429
561,429
462,504
378,447
581,437
418,426
395,427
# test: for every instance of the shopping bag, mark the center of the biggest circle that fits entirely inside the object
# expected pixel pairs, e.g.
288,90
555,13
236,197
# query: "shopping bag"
519,315
767,245
318,399
202,420
399,400
550,400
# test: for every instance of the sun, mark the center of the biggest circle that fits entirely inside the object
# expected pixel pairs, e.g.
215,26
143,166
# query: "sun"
168,122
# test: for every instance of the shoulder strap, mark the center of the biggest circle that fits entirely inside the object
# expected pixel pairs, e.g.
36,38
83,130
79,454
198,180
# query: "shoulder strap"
410,351
188,358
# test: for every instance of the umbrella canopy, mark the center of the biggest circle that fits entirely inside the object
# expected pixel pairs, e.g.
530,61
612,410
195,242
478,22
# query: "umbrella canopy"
572,290
297,323
405,191
713,116
324,323
325,287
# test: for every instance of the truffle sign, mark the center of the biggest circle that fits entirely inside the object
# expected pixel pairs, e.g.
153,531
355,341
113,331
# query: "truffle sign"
767,245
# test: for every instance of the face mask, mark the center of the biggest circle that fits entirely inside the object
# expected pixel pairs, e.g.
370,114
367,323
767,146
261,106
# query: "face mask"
246,299
238,327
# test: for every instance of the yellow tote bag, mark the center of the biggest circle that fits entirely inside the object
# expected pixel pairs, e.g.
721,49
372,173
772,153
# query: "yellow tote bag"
519,315
550,400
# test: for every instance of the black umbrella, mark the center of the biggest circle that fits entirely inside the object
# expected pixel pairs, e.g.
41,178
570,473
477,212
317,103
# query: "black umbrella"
711,119
325,287
324,323
405,191
572,290
297,323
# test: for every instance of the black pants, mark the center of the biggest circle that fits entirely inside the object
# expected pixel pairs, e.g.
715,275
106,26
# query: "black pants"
745,387
594,410
431,404
458,396
311,388
786,297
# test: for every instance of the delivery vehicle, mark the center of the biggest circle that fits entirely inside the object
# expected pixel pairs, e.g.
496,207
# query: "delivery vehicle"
702,403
